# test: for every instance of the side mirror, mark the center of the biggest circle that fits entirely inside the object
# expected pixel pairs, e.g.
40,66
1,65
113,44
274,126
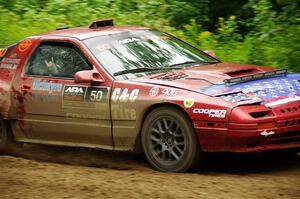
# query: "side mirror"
88,76
210,53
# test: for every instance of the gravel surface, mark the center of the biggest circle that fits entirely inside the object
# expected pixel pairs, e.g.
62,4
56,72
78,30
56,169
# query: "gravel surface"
57,172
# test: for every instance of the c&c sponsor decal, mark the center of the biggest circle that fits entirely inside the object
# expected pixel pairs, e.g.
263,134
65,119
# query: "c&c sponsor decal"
215,113
24,45
189,102
124,95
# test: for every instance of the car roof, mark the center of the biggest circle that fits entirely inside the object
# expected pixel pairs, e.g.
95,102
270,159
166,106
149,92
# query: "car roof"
85,32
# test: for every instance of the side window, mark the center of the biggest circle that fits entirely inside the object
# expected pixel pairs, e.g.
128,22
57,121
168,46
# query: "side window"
56,60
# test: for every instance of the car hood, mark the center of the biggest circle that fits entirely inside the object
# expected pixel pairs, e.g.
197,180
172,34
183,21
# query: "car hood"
199,77
209,79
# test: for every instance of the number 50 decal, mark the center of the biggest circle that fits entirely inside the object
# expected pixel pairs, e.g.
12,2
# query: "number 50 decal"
85,93
96,96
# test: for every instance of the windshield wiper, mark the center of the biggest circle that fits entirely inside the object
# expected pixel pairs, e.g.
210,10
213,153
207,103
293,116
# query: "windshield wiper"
136,70
144,69
183,63
210,62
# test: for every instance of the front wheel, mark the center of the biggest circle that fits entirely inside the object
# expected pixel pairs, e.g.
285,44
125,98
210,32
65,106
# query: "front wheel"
169,142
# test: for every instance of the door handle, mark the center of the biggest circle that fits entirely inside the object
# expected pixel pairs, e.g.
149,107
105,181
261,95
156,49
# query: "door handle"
26,87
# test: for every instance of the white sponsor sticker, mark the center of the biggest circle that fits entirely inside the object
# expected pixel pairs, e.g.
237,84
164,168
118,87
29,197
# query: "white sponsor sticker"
9,66
124,95
267,133
215,113
129,40
283,101
120,111
169,92
74,89
10,63
154,91
11,60
166,92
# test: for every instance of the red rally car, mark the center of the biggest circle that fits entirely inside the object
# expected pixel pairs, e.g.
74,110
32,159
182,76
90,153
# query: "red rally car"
139,89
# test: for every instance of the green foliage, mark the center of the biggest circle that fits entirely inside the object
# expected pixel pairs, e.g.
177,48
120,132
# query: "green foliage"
276,35
264,32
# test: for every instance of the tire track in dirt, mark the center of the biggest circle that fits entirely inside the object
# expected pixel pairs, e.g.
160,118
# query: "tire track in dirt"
81,156
37,171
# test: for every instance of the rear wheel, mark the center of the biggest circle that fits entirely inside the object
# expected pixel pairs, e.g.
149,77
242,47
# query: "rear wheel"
169,142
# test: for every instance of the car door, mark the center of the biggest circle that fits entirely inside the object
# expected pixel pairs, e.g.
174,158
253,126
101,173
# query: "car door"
57,110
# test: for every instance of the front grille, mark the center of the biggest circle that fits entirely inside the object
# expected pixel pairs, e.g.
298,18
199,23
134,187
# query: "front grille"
285,141
291,122
283,138
286,135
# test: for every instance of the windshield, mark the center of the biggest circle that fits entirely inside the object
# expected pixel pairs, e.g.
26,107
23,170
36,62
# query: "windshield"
126,55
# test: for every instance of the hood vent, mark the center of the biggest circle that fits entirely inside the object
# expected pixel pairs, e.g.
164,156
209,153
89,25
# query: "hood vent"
237,73
170,76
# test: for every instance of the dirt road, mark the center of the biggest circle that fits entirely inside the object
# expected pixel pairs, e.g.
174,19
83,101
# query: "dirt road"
53,173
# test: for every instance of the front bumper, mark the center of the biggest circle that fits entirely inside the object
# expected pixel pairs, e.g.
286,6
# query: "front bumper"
253,140
274,133
239,140
249,131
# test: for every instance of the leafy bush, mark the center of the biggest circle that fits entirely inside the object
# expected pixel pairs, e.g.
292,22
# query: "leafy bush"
260,32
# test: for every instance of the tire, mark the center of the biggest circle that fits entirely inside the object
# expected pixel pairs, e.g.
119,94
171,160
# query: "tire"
6,138
169,141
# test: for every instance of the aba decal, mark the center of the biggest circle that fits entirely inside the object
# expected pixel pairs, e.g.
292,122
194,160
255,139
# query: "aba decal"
85,93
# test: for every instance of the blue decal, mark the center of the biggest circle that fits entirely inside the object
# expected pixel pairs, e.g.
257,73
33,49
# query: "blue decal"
44,85
264,88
